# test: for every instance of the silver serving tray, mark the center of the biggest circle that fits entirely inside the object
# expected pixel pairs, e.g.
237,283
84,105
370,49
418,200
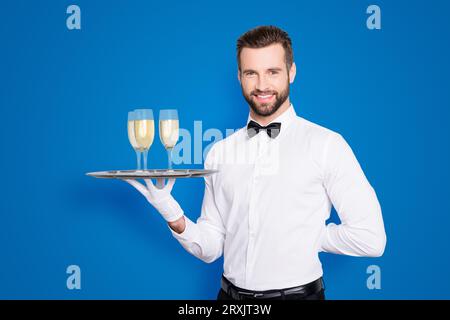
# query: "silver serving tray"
151,173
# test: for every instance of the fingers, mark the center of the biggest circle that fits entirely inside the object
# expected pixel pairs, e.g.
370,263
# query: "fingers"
160,183
149,184
140,187
170,184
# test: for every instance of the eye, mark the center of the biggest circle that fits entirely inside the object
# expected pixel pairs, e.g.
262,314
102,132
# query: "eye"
273,72
249,73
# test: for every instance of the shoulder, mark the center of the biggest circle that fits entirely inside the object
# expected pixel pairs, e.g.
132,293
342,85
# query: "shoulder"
316,136
315,131
320,143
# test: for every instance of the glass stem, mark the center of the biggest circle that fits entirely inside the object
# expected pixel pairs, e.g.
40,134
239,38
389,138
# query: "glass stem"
138,159
169,157
145,159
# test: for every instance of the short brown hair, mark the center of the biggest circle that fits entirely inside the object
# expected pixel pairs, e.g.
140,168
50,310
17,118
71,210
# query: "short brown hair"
264,36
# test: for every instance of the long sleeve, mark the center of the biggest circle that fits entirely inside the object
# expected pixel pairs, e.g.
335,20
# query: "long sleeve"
205,238
361,232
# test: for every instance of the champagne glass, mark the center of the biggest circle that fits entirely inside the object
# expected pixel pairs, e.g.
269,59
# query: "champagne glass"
168,131
132,137
144,131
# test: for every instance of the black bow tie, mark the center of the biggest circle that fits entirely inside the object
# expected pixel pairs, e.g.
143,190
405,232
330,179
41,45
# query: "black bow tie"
273,129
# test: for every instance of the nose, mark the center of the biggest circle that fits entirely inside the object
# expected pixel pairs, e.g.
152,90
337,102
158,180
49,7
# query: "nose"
262,83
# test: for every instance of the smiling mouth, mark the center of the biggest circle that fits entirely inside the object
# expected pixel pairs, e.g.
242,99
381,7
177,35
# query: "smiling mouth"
264,98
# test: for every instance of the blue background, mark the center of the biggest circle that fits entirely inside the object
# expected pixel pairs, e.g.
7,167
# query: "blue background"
64,101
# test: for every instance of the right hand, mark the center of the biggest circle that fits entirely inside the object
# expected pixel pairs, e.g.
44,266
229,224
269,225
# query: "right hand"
160,198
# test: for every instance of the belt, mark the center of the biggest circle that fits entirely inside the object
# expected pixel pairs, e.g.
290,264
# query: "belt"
242,294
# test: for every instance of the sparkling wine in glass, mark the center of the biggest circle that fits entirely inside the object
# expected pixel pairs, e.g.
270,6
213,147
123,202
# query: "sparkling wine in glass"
132,137
168,131
144,131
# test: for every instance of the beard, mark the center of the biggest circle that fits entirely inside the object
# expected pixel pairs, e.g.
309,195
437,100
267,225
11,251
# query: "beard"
266,109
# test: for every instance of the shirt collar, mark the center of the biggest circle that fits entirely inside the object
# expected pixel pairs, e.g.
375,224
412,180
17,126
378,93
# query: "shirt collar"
285,118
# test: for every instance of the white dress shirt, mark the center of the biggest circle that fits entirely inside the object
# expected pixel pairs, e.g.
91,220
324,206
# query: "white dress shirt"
266,208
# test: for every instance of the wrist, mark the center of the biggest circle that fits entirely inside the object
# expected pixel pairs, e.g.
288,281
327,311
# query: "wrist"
178,225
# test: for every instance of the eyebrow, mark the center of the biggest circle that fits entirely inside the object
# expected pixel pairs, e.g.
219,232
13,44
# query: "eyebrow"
270,69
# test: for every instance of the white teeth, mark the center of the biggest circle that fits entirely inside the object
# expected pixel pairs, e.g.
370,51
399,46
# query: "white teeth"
265,97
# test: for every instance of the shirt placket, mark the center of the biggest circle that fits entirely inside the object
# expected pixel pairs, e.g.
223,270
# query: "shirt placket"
253,218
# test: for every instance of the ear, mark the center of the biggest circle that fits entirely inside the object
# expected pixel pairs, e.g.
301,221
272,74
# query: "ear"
292,72
239,75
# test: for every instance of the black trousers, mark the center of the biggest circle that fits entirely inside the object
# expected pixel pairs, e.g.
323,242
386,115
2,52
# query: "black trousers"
315,296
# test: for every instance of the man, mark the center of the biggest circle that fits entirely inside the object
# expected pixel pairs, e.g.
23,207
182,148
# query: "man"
266,208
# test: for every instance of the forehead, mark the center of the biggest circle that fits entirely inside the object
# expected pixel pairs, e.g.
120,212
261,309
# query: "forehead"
263,58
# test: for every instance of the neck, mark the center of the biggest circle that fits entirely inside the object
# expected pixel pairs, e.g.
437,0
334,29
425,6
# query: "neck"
265,120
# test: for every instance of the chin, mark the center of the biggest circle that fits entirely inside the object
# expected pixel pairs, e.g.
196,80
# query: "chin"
265,110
